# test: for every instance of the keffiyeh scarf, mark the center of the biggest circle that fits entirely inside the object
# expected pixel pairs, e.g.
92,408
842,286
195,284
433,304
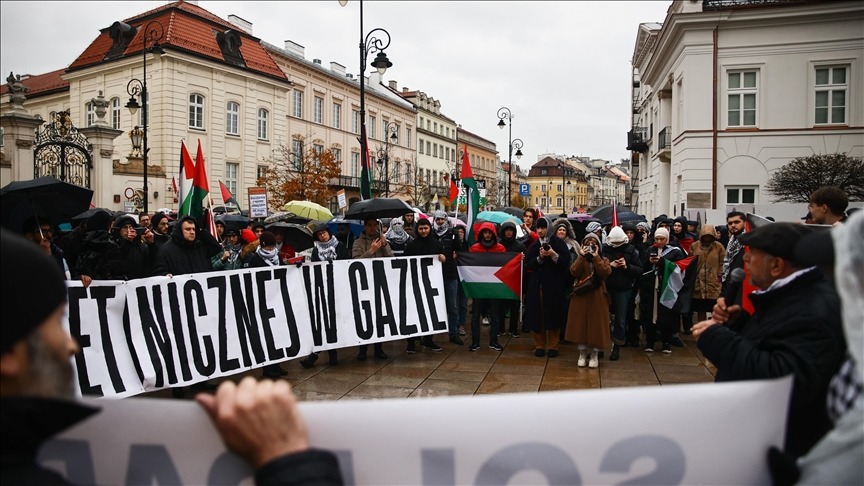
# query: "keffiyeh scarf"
327,249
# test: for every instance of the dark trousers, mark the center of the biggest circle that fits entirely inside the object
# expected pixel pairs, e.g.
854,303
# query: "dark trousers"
513,306
494,320
632,323
361,350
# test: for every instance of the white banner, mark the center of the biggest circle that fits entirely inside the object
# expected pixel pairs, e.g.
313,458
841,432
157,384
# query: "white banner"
717,433
187,328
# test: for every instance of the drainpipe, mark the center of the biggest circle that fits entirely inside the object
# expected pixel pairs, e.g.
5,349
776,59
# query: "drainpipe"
714,129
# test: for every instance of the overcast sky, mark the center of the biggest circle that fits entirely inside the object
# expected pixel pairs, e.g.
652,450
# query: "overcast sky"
563,68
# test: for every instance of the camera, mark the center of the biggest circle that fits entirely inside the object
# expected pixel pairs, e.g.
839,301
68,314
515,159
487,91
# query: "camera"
140,230
547,247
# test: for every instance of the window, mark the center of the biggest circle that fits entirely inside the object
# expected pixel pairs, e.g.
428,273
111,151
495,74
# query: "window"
337,154
447,153
298,104
232,118
115,113
542,187
408,137
355,121
421,146
448,132
318,110
384,126
231,171
297,154
91,113
428,126
742,91
441,152
434,180
260,173
428,176
263,115
428,147
319,149
741,195
397,172
372,122
435,150
407,173
435,127
355,164
337,116
421,122
196,111
831,85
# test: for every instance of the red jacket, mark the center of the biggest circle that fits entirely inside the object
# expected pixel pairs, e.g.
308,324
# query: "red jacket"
479,248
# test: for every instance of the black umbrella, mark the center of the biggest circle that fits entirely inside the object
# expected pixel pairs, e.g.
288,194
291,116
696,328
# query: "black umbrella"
238,220
604,215
46,197
379,207
519,213
90,212
295,235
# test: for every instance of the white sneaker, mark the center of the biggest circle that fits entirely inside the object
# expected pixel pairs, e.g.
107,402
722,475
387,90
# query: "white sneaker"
592,361
485,321
581,362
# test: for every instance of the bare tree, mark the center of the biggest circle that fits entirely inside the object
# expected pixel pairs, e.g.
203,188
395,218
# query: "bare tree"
795,181
300,173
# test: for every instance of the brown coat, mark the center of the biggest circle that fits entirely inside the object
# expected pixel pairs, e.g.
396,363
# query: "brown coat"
588,315
710,266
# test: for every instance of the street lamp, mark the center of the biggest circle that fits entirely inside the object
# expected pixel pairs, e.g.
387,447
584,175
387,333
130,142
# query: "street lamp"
368,45
505,113
153,32
564,172
548,199
384,156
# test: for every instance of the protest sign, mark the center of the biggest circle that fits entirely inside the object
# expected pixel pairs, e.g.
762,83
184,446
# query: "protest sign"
679,434
158,332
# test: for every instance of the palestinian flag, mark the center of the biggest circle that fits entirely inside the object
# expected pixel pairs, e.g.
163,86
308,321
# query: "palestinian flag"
227,197
187,176
454,193
200,186
472,193
674,285
491,275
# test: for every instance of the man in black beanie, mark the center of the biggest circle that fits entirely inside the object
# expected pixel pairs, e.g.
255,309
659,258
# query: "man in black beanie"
36,388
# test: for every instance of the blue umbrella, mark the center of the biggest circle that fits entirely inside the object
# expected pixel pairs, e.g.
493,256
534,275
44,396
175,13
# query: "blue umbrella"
355,225
498,217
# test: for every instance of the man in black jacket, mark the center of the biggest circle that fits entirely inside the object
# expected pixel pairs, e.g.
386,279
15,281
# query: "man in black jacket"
189,250
424,243
450,245
37,389
796,329
511,244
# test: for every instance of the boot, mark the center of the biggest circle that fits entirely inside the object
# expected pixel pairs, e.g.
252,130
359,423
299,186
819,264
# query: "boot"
581,362
593,362
616,350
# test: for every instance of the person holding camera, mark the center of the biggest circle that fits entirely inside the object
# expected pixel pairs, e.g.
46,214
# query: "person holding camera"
137,247
588,314
667,320
624,260
547,262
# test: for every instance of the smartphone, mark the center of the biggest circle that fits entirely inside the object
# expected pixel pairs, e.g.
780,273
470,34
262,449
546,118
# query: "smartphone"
139,230
619,256
655,251
547,247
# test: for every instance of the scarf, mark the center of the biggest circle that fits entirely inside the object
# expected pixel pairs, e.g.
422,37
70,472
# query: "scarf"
327,249
269,256
396,233
234,250
732,249
442,229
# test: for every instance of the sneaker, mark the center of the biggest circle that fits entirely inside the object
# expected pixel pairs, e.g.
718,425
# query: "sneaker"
539,353
496,347
677,342
485,321
515,334
667,348
649,347
553,353
593,362
432,346
616,350
582,361
687,332
474,347
455,340
462,331
410,349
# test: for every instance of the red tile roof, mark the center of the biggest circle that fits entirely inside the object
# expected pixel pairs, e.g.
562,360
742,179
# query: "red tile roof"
189,28
41,84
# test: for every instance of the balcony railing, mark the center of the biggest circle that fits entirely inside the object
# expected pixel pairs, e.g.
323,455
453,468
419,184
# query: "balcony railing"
636,139
664,139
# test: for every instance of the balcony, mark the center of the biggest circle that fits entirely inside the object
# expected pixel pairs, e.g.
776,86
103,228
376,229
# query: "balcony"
347,182
664,144
636,141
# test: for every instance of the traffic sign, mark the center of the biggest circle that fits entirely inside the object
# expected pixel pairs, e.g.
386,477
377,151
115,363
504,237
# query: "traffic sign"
524,189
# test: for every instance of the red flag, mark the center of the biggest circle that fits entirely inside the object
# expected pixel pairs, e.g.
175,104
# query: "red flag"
454,191
747,287
201,192
615,214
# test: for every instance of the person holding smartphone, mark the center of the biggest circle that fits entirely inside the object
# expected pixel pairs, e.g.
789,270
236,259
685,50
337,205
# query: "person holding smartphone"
588,313
624,261
371,244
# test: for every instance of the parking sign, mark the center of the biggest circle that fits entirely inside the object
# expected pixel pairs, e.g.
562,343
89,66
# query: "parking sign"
524,189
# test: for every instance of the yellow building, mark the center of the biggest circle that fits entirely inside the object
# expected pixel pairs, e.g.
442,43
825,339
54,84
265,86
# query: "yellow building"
557,187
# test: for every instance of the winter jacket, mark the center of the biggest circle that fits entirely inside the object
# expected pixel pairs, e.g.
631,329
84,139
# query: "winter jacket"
495,247
450,244
588,314
795,329
424,246
548,283
363,248
179,257
622,279
512,244
99,257
709,267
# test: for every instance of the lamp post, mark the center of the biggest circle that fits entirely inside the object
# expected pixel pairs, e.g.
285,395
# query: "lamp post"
384,156
368,45
564,171
153,32
505,113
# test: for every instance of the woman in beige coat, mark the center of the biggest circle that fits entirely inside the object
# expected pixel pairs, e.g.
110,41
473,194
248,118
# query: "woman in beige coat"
588,315
709,267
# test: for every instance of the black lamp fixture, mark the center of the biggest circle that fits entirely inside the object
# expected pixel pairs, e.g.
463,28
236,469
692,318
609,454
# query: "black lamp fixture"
505,113
370,43
565,171
153,33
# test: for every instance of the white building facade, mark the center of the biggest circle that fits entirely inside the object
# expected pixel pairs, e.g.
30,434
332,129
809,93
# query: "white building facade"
727,92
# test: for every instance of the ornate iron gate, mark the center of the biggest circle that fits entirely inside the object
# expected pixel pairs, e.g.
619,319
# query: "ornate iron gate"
62,151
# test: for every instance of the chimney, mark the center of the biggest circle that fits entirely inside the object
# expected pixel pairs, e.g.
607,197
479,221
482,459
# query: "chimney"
295,48
405,89
349,76
244,25
337,68
393,84
316,61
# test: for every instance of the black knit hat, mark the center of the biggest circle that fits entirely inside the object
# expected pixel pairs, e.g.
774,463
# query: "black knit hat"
266,239
32,288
